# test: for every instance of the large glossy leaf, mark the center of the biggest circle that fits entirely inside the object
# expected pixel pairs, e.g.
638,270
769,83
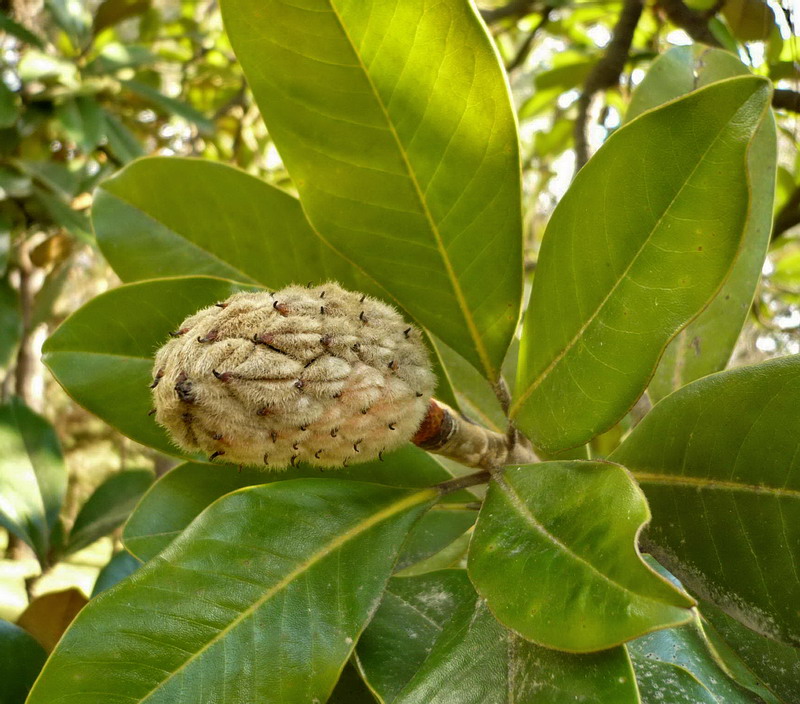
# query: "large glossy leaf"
705,345
261,600
178,497
403,148
21,658
676,666
477,661
406,625
103,353
108,507
769,668
643,239
719,461
564,534
33,478
165,217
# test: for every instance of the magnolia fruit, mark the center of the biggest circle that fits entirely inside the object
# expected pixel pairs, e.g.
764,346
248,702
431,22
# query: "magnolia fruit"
317,375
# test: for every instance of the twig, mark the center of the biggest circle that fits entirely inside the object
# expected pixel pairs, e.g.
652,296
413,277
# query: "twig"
525,47
517,8
445,432
784,99
606,72
459,483
694,23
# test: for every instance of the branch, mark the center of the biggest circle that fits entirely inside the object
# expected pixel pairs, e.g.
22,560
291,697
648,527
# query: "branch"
694,23
788,216
606,72
786,100
525,47
517,8
445,432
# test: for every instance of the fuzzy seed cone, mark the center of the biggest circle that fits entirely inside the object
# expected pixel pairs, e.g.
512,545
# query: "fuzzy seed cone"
316,375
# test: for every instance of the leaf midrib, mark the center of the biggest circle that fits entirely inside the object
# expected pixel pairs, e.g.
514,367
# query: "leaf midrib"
451,275
522,509
339,541
623,277
714,484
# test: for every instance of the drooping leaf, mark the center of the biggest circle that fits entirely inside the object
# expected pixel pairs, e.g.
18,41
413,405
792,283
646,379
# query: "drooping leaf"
33,478
406,625
108,507
103,353
122,143
122,565
476,661
186,217
402,145
82,120
564,534
766,667
261,599
641,242
705,345
178,497
48,616
21,659
719,461
17,30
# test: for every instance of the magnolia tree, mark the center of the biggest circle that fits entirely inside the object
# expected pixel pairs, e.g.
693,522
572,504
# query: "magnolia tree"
310,548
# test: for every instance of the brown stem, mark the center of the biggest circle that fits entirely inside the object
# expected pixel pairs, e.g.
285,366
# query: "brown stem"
525,47
785,99
459,483
694,23
788,216
606,72
445,432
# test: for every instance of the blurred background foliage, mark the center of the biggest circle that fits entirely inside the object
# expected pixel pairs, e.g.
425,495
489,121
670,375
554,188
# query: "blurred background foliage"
89,85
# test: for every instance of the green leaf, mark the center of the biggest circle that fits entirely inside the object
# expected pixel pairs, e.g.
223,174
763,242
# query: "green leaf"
10,321
108,507
17,30
643,239
766,667
407,164
103,353
706,344
21,659
9,106
406,625
33,478
121,141
749,20
112,12
82,120
718,461
261,599
63,215
564,534
676,666
350,689
178,497
476,661
122,565
434,532
171,106
174,217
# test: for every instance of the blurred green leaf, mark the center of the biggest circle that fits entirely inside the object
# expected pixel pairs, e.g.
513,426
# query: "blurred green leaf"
749,20
108,507
476,661
407,165
637,247
17,30
566,75
9,106
112,12
21,659
171,106
73,17
82,120
718,461
170,217
178,497
33,478
565,533
305,562
706,344
406,625
10,321
35,65
103,353
121,141
120,566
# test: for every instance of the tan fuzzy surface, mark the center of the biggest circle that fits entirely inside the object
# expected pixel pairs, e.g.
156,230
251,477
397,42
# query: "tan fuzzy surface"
317,375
